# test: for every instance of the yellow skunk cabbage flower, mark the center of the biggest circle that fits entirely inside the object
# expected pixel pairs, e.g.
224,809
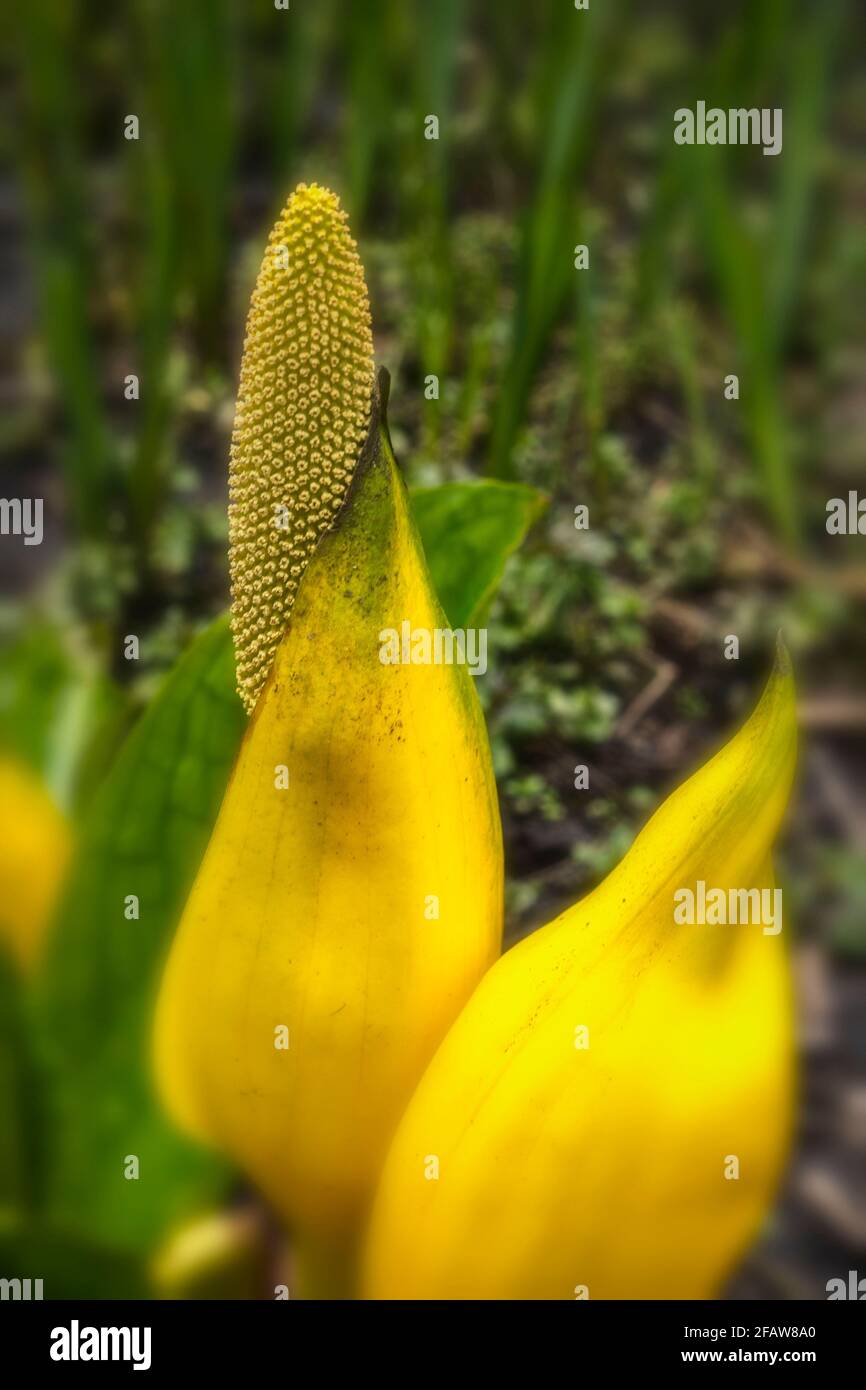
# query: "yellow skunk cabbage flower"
609,1115
302,415
35,843
350,898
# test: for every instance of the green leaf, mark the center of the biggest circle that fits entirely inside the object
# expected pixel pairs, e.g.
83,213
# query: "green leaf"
469,530
68,1267
21,1127
52,704
145,835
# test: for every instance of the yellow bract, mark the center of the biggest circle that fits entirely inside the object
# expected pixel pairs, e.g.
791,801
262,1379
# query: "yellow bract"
35,844
609,1115
350,897
302,414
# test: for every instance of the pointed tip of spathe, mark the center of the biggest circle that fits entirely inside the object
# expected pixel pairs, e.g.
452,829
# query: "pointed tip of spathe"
780,684
779,691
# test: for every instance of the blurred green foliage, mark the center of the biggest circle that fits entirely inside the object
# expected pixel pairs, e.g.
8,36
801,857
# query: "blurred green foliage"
144,836
600,387
134,242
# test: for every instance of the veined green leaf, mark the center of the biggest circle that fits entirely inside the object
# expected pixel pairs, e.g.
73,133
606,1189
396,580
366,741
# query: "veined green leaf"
144,836
469,530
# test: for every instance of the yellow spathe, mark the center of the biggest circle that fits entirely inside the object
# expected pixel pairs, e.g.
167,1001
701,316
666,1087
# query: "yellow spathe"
351,912
602,1167
35,844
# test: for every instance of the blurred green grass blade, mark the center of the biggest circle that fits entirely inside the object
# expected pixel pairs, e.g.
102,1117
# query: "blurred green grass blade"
187,52
815,52
155,306
86,453
568,88
655,267
730,250
588,300
304,38
369,107
468,531
679,324
759,277
741,277
435,50
756,43
740,70
433,44
49,149
144,835
771,444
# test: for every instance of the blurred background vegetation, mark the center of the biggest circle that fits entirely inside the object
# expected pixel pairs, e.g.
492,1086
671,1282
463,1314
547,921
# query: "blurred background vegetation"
602,387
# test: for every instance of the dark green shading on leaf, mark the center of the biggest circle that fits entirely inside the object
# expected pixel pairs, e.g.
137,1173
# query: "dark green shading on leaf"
21,1126
68,1267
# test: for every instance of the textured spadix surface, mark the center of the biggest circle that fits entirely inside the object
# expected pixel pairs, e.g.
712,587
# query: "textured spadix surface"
302,414
604,1167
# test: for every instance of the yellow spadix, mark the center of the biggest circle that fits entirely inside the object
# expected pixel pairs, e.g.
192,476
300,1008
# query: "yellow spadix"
302,414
